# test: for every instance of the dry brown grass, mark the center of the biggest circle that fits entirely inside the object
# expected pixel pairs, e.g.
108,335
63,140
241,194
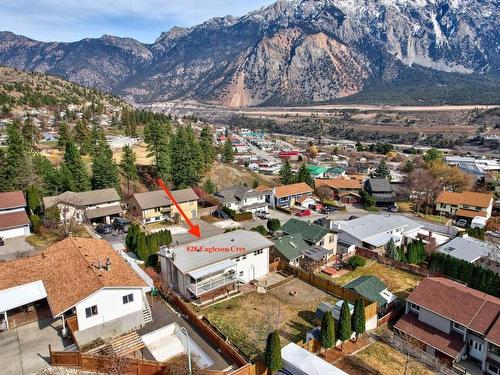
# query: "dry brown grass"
224,175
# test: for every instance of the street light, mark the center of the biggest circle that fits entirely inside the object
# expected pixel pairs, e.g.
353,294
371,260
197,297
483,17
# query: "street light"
184,330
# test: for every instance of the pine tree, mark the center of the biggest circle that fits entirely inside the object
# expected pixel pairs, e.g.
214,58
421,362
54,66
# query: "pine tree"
51,183
303,175
186,157
391,249
286,173
63,135
5,183
142,247
30,132
66,178
344,330
157,136
227,156
209,186
82,137
96,138
327,337
358,320
272,354
78,172
33,199
104,169
381,171
17,157
128,167
207,147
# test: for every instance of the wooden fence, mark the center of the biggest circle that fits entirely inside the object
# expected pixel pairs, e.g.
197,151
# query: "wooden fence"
330,287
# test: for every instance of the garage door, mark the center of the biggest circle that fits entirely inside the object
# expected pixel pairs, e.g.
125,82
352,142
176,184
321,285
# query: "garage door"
14,232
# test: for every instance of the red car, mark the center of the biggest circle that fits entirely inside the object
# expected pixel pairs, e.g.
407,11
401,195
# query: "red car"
305,212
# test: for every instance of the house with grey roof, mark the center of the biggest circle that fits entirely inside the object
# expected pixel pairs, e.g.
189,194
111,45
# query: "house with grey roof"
315,235
212,268
297,251
100,205
472,250
154,206
242,198
381,190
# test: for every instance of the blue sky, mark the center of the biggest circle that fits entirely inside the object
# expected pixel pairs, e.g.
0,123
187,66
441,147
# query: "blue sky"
144,20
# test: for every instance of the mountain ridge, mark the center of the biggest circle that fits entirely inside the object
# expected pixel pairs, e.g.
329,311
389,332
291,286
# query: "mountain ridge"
298,51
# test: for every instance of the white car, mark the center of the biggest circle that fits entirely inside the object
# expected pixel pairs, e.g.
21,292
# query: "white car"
262,214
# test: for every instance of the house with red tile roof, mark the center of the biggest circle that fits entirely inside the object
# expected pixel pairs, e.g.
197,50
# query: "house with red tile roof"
466,205
14,221
457,324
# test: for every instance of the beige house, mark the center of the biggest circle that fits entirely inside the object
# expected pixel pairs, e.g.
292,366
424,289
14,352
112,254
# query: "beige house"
154,206
467,204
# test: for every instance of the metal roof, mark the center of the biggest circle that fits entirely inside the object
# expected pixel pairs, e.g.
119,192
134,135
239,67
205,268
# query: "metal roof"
466,248
214,268
21,295
216,249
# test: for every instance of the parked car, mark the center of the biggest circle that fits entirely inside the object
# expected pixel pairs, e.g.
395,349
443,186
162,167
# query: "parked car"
393,208
104,228
121,224
323,222
220,214
328,210
462,223
2,242
262,214
305,212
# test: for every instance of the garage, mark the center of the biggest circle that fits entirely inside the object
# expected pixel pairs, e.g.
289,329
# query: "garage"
14,224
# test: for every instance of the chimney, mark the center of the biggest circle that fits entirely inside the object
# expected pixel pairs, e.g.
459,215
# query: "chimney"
108,264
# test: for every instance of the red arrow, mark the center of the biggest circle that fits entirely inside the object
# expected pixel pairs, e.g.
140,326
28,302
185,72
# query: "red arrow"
193,229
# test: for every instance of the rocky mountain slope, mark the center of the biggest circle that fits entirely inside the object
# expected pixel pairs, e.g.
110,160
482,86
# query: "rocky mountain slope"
290,52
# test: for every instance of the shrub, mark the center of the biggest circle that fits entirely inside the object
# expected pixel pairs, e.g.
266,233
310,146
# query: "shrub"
261,229
357,261
36,222
273,225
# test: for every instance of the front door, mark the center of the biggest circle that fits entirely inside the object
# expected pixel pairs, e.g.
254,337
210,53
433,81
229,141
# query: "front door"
476,349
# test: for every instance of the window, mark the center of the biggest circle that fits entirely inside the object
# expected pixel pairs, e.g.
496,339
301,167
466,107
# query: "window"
495,349
414,307
458,327
331,239
257,252
241,273
157,209
237,259
493,369
128,298
91,311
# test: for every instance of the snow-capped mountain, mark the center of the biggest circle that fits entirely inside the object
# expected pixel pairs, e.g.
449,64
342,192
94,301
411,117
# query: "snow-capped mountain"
289,52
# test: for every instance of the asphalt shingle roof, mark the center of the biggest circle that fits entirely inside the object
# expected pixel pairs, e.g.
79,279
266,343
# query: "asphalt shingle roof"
310,232
291,246
369,287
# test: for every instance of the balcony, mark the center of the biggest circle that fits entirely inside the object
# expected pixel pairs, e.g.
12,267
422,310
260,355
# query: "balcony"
203,287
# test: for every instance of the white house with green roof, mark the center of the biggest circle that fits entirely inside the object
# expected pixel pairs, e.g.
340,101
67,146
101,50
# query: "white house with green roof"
373,288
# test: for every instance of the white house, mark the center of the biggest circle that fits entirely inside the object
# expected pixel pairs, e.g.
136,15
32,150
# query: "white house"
82,281
14,221
93,205
299,361
212,268
242,198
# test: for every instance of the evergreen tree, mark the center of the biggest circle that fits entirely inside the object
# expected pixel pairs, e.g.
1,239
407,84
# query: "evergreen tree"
157,136
272,354
186,157
51,183
303,175
358,320
76,168
391,249
5,183
63,135
104,169
382,171
128,167
255,183
66,179
286,173
344,329
33,199
30,132
209,186
82,138
96,138
227,156
273,225
327,337
207,147
17,157
142,247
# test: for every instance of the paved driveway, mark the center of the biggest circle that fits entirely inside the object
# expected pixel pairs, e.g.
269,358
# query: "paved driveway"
15,248
25,350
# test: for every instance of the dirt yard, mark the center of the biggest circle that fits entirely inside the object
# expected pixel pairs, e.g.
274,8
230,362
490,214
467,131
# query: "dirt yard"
224,175
247,319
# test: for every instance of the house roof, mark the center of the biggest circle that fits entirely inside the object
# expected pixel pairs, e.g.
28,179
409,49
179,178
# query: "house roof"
236,193
12,199
293,189
316,170
303,198
466,248
369,287
379,185
13,220
216,249
69,272
471,214
94,213
450,344
84,198
470,198
291,246
263,189
310,232
473,309
304,362
338,183
158,198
